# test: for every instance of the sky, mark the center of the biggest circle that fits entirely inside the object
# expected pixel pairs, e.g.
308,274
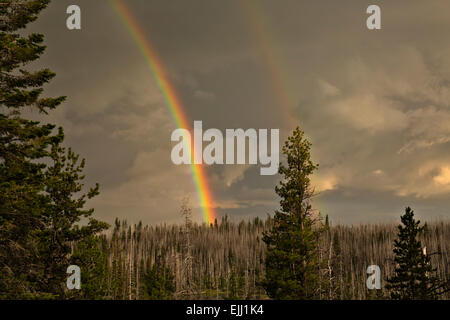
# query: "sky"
375,104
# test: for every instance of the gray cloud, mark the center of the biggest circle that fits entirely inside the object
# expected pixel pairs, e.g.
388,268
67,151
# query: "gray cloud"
375,104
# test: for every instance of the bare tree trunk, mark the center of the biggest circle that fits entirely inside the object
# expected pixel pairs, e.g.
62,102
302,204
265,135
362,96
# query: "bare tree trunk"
330,272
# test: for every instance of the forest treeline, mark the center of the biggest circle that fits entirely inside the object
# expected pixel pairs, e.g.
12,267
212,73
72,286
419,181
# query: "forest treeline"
226,260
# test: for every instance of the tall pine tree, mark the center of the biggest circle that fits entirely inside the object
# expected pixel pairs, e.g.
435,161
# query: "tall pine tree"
39,213
22,143
292,261
414,277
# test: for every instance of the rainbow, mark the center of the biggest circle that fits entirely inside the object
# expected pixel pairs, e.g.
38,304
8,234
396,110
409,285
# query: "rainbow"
262,31
260,26
173,102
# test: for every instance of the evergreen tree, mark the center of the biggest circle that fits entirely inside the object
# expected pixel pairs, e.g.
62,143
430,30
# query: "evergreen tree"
159,282
292,261
22,143
63,212
414,277
39,213
92,258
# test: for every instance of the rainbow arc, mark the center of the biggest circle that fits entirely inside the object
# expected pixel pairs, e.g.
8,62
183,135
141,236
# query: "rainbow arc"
173,102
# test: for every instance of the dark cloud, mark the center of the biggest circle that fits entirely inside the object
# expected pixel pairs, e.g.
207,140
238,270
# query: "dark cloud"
375,104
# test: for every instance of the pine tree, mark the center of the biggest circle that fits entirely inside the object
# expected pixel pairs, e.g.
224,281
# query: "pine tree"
159,281
92,260
22,142
63,212
39,182
292,261
414,277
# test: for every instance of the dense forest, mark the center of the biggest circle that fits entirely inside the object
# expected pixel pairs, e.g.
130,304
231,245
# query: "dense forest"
226,260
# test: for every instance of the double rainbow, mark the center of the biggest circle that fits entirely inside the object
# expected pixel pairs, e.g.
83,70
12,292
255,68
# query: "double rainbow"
173,102
262,32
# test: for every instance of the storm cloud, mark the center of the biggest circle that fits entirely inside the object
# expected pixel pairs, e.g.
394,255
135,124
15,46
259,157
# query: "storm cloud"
375,104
